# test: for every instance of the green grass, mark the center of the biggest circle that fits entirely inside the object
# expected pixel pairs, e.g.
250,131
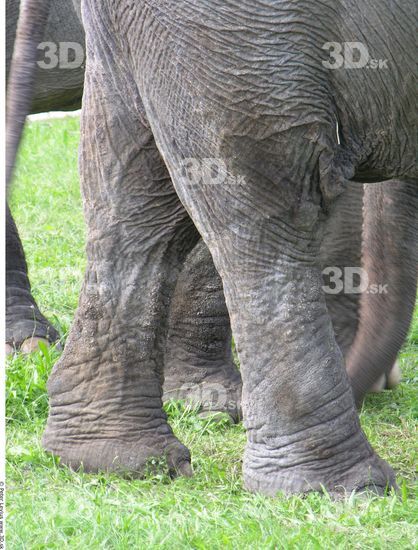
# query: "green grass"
51,507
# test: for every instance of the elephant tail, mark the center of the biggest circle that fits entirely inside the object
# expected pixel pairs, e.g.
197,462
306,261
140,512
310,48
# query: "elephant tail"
31,26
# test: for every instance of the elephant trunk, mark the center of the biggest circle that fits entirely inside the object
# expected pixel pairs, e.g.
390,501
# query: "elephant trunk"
390,258
30,31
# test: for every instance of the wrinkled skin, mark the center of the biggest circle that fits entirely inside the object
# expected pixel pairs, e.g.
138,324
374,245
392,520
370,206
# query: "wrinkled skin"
188,80
199,356
198,364
210,376
388,256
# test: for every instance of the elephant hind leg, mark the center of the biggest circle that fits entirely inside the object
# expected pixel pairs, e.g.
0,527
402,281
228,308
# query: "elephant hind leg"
341,249
105,391
302,426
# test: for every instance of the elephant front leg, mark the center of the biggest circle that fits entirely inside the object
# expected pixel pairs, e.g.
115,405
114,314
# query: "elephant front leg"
199,366
25,324
105,392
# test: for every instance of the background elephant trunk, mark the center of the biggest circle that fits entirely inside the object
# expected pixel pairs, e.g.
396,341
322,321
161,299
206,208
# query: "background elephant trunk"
30,31
390,257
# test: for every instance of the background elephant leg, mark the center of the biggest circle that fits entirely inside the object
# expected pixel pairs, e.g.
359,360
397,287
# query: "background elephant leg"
25,324
390,257
198,364
341,248
106,390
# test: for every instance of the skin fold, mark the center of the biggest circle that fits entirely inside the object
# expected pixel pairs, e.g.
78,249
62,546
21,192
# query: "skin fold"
287,178
62,89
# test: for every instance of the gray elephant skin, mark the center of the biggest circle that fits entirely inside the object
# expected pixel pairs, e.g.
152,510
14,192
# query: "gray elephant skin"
199,365
58,88
168,82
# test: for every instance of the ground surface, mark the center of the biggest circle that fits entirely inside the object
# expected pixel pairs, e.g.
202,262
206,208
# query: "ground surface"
51,507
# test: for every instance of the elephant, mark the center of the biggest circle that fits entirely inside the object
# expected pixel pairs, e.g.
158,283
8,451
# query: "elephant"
62,89
172,83
215,383
55,88
387,248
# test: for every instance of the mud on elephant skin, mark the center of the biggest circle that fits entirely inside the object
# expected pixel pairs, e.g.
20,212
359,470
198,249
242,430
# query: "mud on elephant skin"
278,140
61,88
210,376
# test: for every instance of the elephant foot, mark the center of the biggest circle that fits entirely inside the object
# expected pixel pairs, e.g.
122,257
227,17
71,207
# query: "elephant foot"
9,349
28,346
32,344
212,389
373,474
133,457
25,328
319,474
388,381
